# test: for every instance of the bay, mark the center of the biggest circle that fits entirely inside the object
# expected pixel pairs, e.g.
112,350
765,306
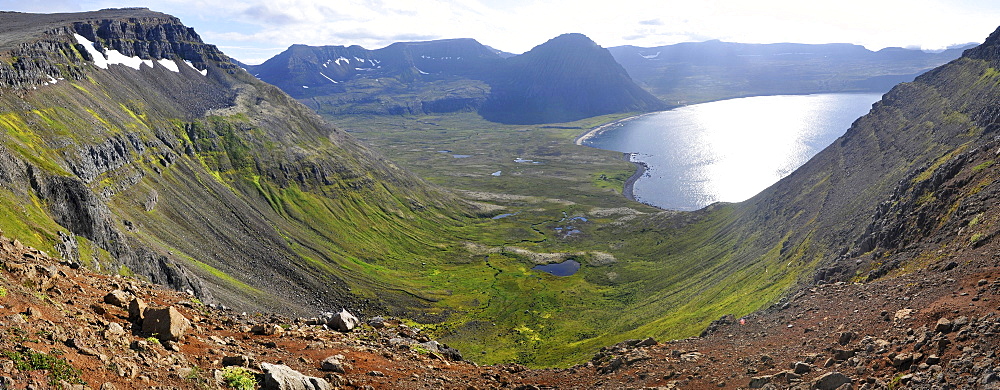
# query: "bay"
728,150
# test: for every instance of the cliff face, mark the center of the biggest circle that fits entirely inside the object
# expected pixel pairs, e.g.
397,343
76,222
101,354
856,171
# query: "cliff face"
129,145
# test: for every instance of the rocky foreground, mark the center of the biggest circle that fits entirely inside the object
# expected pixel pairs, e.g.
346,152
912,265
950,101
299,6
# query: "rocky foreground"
64,326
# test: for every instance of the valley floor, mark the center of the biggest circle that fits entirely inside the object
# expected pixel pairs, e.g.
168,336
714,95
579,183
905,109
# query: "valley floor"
935,329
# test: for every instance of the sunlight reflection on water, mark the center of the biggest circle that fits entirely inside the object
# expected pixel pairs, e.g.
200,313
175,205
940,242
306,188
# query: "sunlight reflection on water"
732,149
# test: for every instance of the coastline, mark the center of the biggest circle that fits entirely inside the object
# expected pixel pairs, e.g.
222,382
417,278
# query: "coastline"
602,128
640,169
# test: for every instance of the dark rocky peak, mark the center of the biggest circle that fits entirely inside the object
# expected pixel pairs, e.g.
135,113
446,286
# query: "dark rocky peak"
574,52
42,48
566,78
566,45
150,37
989,50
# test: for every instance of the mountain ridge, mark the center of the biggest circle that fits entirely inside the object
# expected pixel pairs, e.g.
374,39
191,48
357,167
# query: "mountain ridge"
172,163
694,72
457,75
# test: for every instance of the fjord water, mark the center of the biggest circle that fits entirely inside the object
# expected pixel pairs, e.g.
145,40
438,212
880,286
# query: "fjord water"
732,149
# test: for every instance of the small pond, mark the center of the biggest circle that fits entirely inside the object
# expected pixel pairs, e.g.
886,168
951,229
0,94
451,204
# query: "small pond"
565,268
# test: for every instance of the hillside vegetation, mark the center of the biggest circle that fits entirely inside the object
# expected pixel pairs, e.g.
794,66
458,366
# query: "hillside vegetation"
187,171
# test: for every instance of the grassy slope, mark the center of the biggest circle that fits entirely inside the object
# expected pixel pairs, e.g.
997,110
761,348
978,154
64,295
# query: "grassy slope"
517,314
675,272
274,209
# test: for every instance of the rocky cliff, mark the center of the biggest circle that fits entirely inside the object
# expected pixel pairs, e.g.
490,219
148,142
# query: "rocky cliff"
131,146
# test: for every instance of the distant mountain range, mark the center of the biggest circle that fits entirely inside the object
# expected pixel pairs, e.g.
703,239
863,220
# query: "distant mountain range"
695,72
567,78
570,77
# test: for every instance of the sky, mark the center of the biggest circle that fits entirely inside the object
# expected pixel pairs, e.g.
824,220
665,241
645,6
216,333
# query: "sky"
254,30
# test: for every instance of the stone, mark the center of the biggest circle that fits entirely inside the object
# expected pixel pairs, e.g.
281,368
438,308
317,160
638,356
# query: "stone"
80,346
333,363
801,368
843,354
902,361
759,381
108,386
137,310
845,338
959,322
241,360
341,321
831,381
118,298
377,322
165,324
647,342
282,377
267,329
943,325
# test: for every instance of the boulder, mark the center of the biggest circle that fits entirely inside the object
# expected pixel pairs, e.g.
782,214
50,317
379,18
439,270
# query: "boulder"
845,338
165,324
943,325
333,363
902,361
831,381
118,298
239,360
282,377
267,329
801,368
843,354
136,310
342,321
759,381
377,322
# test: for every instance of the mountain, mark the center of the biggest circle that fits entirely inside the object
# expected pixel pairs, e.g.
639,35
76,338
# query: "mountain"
567,78
695,72
459,75
130,146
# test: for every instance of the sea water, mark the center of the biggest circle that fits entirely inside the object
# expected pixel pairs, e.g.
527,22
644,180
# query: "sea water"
729,150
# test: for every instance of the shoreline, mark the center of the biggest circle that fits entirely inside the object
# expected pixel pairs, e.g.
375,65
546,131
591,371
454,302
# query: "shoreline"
597,130
640,169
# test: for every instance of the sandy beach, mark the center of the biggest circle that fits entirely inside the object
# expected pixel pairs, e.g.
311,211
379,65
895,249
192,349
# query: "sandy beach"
602,128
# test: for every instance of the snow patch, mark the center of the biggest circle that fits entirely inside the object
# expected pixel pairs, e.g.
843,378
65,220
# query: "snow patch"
328,78
114,57
359,59
306,87
418,70
342,59
170,65
191,64
649,57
